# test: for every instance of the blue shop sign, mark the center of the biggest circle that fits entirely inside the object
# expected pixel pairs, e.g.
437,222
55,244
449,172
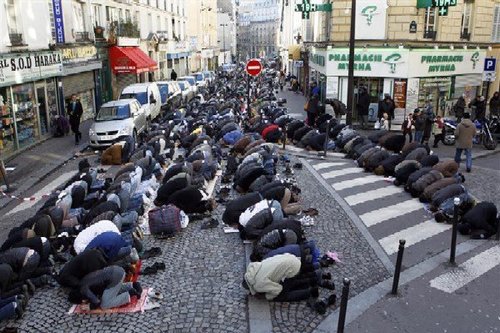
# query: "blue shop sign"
58,21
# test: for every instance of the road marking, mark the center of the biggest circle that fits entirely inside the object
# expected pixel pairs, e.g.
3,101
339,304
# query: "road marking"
356,199
45,190
346,171
380,215
468,271
356,182
326,165
413,235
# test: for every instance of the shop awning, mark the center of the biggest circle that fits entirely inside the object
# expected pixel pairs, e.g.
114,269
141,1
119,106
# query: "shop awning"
125,60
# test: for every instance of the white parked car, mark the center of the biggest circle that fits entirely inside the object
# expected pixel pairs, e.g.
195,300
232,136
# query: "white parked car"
147,94
192,82
201,80
116,119
186,89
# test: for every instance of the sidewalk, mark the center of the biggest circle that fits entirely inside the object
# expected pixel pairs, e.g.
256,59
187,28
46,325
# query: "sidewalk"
36,163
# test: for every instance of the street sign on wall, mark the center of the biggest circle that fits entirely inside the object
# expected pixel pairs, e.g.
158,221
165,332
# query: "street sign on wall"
253,67
371,19
490,64
306,7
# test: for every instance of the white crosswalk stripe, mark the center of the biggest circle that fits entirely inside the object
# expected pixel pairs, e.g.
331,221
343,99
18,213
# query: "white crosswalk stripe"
468,271
45,190
342,172
356,182
412,235
356,199
383,214
326,165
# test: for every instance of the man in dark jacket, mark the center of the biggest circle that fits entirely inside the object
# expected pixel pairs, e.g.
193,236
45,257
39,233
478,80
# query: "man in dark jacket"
312,110
84,263
173,75
495,105
386,106
459,108
75,111
419,123
479,104
363,106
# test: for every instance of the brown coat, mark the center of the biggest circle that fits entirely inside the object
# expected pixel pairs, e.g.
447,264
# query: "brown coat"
465,133
447,168
112,155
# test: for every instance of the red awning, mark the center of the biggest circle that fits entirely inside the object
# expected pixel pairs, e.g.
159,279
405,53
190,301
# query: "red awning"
126,60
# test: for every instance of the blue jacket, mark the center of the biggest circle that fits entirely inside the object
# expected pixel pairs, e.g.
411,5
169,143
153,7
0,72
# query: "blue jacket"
233,136
109,242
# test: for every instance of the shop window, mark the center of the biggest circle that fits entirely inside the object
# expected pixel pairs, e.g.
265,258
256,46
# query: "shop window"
7,129
496,25
430,23
466,21
25,114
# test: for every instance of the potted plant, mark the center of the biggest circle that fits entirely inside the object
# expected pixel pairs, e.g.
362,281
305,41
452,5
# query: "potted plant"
99,31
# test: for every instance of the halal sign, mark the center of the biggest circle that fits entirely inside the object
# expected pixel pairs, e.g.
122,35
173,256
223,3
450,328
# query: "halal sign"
253,67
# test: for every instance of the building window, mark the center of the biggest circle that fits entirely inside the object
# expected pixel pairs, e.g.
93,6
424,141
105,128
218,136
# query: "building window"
12,21
430,23
150,22
96,10
466,20
128,18
78,21
495,37
165,4
158,20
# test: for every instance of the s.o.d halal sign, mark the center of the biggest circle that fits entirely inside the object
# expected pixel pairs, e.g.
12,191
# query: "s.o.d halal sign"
18,68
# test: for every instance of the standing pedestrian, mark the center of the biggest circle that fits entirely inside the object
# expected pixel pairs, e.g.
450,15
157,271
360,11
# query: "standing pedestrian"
75,111
407,125
479,105
429,117
312,110
495,105
363,105
419,123
438,131
459,108
465,134
173,75
386,106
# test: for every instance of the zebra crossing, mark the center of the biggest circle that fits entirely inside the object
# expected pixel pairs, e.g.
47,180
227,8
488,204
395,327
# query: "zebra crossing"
391,214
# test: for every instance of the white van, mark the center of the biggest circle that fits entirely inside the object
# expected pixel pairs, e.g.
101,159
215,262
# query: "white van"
116,119
147,94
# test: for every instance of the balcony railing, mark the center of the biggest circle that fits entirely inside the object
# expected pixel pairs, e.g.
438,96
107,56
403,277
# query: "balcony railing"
82,36
465,35
16,39
431,34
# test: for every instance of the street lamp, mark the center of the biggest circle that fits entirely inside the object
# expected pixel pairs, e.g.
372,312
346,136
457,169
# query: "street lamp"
224,25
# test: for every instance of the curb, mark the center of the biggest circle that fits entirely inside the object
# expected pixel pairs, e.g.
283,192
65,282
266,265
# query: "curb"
20,191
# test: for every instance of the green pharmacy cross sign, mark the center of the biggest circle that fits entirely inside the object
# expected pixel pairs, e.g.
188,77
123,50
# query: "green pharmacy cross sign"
306,7
441,5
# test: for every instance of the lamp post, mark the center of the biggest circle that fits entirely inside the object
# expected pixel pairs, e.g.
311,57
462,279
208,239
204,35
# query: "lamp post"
350,80
224,25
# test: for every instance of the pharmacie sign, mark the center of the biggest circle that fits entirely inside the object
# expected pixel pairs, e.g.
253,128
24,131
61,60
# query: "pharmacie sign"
369,62
426,63
25,67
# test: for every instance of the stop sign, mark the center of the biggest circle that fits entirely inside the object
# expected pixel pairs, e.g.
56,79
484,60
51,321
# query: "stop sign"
253,67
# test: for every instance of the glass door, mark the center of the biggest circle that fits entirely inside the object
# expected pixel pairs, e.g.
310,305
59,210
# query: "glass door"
26,115
41,97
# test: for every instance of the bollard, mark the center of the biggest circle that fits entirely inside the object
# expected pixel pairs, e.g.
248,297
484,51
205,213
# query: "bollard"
453,249
343,305
498,230
4,176
325,144
397,272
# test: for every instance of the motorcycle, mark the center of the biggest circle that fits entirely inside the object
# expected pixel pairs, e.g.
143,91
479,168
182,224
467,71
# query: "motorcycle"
449,132
484,136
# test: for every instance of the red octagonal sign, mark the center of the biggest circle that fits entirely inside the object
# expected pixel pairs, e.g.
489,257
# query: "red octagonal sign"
253,67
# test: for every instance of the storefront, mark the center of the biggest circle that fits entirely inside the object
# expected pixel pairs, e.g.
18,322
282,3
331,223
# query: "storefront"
410,77
442,76
129,65
81,77
28,98
377,70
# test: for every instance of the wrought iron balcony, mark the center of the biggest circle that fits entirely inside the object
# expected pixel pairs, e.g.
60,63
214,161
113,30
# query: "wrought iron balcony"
465,35
431,34
82,36
16,39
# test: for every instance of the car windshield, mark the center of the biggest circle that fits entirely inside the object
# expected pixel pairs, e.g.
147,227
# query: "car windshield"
181,85
190,80
142,97
199,77
107,113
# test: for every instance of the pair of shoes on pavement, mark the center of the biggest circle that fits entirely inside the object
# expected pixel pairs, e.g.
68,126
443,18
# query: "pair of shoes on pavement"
321,305
152,252
209,224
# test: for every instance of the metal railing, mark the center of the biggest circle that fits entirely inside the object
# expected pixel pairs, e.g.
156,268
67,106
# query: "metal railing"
431,34
16,39
82,36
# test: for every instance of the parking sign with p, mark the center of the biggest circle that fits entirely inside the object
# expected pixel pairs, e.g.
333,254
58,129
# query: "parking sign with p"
490,64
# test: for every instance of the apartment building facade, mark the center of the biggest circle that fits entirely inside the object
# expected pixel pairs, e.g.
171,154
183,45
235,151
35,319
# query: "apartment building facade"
411,49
